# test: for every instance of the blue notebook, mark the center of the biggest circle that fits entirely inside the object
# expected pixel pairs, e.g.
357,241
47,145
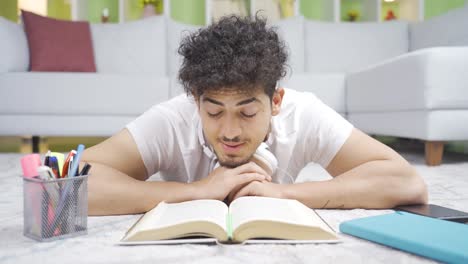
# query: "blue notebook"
429,237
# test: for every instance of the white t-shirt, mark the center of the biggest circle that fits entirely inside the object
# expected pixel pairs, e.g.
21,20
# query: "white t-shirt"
170,139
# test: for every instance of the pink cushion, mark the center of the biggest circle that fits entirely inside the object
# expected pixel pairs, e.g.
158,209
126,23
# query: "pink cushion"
58,45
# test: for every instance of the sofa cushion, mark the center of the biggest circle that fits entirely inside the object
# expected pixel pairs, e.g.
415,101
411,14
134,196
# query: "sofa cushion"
291,30
44,93
328,87
176,32
58,45
14,51
449,29
428,79
131,47
348,47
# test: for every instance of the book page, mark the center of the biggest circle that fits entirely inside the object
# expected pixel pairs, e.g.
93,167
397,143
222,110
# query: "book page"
253,208
166,214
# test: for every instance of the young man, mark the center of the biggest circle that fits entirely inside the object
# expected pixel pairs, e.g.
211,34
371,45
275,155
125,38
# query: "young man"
230,73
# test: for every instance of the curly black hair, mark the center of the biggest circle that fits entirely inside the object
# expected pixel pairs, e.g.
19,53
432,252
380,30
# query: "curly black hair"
239,53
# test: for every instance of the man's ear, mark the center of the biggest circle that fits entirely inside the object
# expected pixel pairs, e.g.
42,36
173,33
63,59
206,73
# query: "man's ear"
276,101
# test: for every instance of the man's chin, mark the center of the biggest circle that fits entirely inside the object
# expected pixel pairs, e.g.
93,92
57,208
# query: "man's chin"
233,163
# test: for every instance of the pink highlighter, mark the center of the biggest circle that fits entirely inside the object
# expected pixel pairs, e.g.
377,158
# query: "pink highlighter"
29,164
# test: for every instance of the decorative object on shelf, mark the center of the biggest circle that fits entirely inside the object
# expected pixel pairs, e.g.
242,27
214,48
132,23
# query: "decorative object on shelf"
105,15
151,7
390,15
287,8
221,8
352,15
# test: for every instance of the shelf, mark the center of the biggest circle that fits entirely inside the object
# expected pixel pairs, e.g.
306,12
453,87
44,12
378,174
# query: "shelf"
408,10
323,10
274,10
358,10
202,12
134,9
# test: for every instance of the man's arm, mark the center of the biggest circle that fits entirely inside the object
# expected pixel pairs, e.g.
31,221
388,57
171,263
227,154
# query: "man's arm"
117,182
117,185
366,174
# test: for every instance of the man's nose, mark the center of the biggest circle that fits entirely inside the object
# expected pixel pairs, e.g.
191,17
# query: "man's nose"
231,129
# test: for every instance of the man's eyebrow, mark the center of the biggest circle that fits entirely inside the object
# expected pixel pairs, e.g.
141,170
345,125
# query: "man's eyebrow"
253,99
247,101
207,99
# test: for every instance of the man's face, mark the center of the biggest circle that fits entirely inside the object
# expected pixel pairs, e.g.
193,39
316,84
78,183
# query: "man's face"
235,123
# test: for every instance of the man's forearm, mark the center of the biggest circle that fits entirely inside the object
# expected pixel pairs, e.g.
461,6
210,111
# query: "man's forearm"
113,192
375,184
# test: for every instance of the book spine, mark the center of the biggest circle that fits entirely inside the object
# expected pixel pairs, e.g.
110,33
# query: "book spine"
229,225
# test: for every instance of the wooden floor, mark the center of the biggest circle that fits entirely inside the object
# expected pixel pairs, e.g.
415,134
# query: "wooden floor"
59,144
65,144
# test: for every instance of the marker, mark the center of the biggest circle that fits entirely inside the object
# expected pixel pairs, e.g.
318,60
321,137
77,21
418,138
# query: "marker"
67,162
29,165
53,164
60,160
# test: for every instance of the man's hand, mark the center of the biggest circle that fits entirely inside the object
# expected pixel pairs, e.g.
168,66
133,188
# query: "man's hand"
259,188
223,181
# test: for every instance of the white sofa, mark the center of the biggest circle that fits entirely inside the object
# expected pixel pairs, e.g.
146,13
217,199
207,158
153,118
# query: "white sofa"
422,94
371,73
133,64
395,78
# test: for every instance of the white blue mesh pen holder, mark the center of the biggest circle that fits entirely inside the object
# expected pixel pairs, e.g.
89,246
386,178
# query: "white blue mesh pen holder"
55,209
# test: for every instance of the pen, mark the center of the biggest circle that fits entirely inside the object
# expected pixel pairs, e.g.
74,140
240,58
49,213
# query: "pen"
76,160
64,195
70,166
85,169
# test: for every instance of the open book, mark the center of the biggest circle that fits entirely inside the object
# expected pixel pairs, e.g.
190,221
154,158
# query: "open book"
247,220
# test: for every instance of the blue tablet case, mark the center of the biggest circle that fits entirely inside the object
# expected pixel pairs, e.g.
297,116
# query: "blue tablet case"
429,237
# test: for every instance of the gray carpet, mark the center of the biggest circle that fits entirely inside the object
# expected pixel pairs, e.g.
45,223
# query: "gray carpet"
448,186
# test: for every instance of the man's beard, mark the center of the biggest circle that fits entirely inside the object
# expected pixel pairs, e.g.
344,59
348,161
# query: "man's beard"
234,164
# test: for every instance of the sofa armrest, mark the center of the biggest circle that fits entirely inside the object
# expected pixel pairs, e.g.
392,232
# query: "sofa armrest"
434,78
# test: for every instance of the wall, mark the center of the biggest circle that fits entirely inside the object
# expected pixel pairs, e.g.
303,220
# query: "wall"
437,7
312,9
59,9
188,11
95,10
8,9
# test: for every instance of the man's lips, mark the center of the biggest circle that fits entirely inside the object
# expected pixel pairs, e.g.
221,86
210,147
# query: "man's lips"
232,147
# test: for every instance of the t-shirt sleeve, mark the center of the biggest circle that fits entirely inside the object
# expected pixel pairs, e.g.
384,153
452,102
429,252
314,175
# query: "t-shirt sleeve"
153,135
325,131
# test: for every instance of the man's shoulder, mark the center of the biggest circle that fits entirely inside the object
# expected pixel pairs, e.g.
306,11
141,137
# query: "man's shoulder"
179,111
181,100
296,97
180,105
296,102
